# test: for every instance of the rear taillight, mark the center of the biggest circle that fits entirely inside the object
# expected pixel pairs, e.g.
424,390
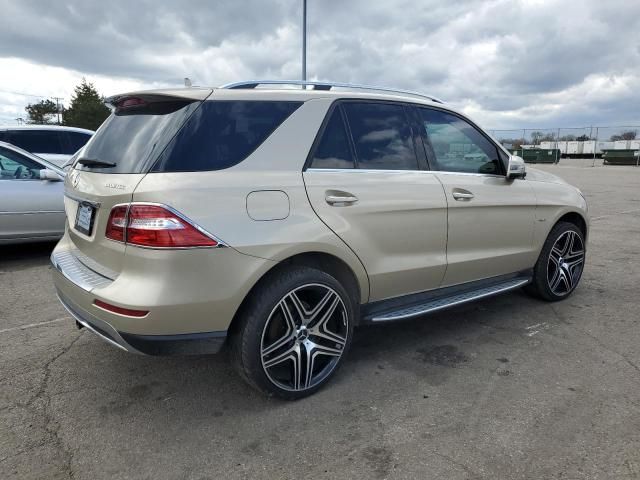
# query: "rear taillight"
116,223
154,226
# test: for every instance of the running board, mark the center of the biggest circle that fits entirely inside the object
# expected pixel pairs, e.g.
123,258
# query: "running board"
446,301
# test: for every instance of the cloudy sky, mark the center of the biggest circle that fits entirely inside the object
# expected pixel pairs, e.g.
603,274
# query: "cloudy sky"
507,63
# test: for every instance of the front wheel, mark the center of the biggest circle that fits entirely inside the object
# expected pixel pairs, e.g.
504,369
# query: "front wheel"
294,332
560,265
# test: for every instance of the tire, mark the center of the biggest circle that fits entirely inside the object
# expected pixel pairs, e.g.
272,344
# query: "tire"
295,319
559,268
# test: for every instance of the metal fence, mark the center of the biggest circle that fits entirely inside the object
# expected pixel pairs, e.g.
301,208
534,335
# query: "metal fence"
580,146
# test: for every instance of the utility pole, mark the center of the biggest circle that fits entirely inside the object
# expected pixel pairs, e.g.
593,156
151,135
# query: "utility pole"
304,42
57,99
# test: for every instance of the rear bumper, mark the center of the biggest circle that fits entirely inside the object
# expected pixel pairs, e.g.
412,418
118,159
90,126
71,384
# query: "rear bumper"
191,296
183,344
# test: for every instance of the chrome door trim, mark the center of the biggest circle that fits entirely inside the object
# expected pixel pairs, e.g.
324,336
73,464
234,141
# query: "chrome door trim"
381,171
32,212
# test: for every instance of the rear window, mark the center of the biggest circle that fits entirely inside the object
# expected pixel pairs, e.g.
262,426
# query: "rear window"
221,134
37,141
132,138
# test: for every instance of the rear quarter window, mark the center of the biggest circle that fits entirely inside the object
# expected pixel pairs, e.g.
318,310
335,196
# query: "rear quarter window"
221,134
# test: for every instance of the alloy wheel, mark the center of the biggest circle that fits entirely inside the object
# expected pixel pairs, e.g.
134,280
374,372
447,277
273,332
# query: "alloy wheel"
565,264
304,337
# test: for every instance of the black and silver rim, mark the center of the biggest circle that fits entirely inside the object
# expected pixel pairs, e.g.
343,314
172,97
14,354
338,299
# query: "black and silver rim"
566,261
304,337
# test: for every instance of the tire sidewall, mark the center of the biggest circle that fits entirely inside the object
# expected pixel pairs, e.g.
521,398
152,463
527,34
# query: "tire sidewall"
262,303
540,273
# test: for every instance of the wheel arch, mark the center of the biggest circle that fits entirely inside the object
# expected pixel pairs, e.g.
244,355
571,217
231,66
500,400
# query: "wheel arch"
577,219
322,261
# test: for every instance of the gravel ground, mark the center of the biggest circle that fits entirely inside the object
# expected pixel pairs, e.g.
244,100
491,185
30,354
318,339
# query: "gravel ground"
508,387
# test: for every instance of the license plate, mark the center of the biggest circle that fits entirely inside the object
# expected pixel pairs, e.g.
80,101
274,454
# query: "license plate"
84,218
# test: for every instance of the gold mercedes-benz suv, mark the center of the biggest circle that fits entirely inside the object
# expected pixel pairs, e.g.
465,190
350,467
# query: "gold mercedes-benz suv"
274,220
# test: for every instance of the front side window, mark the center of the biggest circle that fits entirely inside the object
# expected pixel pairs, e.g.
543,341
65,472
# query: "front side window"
458,146
221,134
333,149
37,141
382,136
14,166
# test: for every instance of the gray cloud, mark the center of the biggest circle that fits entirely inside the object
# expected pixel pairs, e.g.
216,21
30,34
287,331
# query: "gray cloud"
508,62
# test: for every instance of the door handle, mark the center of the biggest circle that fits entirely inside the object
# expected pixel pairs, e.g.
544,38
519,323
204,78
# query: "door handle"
339,199
461,194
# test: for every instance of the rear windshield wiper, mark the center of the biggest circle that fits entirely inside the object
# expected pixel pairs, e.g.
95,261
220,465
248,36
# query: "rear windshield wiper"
94,162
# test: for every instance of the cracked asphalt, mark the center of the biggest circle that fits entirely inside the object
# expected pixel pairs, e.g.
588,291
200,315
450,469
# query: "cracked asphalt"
506,388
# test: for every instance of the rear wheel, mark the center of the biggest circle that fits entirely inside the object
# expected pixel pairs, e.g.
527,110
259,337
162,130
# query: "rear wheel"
294,333
560,265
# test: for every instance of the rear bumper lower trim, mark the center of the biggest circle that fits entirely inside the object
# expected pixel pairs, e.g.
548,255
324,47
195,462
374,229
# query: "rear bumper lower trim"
179,344
101,328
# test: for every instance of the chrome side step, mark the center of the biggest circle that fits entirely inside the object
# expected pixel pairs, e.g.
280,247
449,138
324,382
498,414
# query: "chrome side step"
442,302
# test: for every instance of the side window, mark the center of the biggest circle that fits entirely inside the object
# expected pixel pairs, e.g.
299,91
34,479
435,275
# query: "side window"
382,136
458,146
37,141
221,134
333,149
75,141
16,167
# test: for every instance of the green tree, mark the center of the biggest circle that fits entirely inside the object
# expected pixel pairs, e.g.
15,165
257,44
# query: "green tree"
87,108
42,112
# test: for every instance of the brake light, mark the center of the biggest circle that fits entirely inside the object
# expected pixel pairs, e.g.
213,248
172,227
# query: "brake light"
119,310
131,102
116,223
154,226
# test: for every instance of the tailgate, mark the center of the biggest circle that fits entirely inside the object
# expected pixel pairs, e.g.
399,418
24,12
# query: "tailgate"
98,192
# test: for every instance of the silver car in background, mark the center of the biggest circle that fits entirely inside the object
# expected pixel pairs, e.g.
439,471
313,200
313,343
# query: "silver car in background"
31,197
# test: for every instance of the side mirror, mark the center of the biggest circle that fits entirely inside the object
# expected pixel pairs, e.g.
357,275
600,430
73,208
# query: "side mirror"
46,174
516,168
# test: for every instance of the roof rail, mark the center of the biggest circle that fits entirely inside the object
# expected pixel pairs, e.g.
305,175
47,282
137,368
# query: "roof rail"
325,86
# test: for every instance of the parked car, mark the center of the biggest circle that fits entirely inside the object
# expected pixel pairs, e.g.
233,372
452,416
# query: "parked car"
53,143
276,220
31,197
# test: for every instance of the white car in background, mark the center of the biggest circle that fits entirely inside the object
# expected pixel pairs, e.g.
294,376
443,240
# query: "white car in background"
52,142
31,197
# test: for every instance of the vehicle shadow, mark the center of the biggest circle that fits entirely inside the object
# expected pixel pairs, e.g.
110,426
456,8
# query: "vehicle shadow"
26,254
208,387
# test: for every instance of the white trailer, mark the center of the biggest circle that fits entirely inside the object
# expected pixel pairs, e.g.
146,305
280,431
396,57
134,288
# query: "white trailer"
634,144
621,145
604,146
547,145
589,147
574,148
562,146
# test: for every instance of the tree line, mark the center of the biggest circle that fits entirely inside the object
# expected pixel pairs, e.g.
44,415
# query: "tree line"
537,137
86,109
